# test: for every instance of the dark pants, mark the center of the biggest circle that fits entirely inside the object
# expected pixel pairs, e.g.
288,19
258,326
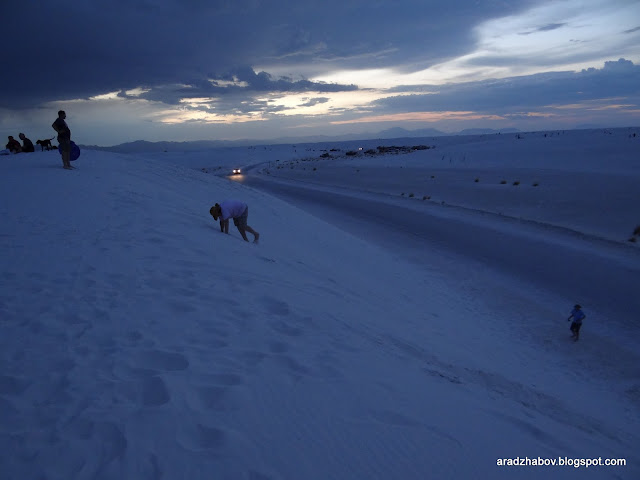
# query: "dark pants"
65,144
241,221
575,328
65,150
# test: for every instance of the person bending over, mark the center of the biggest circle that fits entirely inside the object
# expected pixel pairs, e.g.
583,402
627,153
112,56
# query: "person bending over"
237,210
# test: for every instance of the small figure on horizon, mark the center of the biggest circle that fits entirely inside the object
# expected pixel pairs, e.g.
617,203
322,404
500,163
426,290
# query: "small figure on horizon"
64,139
239,211
13,145
27,145
577,315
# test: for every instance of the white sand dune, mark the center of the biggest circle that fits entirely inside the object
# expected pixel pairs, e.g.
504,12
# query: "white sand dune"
139,342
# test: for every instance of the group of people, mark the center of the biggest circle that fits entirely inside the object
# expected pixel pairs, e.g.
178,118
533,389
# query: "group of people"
14,145
64,141
226,210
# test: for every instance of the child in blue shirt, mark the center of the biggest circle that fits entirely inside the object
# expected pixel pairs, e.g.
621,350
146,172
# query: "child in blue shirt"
577,315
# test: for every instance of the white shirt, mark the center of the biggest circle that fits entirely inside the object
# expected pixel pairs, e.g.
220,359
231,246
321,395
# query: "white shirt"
232,209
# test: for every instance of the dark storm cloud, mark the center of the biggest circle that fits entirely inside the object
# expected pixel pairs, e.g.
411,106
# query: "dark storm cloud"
545,28
536,60
617,79
314,101
264,82
242,85
77,49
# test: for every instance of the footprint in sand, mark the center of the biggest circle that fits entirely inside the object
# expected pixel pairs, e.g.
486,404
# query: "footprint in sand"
292,365
210,437
160,361
180,307
225,379
217,392
150,467
134,336
113,443
208,397
286,328
251,358
275,306
10,385
253,475
201,437
278,347
154,392
10,417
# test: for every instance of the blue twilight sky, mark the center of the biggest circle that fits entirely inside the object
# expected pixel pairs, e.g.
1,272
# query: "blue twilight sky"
232,69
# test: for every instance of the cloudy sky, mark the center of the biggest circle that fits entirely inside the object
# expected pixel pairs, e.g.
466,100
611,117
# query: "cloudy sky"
183,70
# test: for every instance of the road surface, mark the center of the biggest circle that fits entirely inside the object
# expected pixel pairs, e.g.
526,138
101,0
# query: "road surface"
472,246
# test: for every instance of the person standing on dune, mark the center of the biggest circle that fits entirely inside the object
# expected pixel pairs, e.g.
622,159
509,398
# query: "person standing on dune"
64,139
577,315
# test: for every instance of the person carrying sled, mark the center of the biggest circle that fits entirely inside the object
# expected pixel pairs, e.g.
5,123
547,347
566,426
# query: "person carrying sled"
239,211
64,139
577,315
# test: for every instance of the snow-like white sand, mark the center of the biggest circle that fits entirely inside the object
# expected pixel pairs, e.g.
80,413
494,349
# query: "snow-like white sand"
139,342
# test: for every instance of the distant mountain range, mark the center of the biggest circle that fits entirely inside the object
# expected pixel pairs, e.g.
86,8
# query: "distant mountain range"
143,146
